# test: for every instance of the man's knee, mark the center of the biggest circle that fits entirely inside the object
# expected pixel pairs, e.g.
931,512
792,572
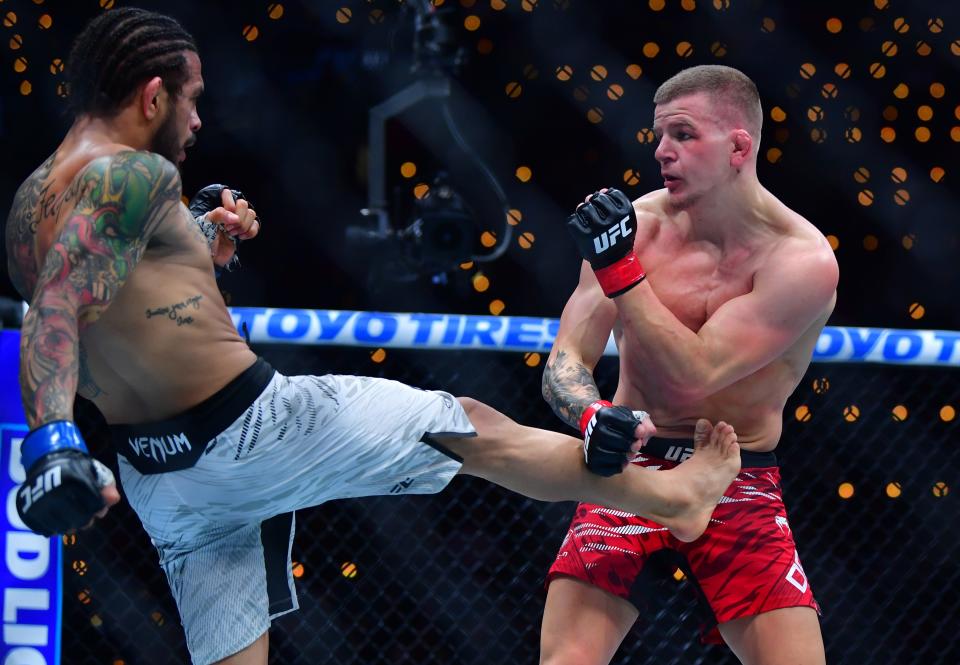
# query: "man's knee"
482,415
471,406
488,423
567,653
491,425
254,654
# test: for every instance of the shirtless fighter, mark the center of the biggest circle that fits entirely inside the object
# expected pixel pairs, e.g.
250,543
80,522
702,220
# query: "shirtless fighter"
716,293
216,448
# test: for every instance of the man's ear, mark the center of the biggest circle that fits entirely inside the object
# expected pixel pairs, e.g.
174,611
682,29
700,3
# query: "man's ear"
150,94
742,147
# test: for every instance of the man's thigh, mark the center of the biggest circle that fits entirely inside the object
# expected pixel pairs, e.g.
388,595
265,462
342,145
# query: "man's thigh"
582,623
788,636
308,440
747,563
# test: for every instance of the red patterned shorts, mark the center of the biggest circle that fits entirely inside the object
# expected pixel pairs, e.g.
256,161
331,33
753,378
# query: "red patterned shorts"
744,564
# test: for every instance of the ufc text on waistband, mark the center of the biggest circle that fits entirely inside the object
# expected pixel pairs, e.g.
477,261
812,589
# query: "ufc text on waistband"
678,450
177,443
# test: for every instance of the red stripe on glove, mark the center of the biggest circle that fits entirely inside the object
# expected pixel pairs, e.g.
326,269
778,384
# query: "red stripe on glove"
589,411
621,276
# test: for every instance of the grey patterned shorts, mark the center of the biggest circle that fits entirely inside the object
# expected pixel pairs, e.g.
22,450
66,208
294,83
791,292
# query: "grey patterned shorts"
224,527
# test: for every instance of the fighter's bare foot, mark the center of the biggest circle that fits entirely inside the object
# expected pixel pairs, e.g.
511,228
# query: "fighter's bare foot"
703,478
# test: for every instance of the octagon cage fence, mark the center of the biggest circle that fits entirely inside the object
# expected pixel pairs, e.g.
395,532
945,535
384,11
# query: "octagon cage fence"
871,470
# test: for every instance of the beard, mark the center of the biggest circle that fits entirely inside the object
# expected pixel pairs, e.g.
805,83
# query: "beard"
166,142
685,201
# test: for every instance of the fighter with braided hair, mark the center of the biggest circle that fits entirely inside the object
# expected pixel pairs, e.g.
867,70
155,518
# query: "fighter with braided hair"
216,449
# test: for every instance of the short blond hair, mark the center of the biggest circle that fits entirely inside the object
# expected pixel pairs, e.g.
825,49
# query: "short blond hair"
727,87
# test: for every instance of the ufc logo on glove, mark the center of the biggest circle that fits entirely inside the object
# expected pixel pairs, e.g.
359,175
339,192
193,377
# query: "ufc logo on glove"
594,230
41,485
609,238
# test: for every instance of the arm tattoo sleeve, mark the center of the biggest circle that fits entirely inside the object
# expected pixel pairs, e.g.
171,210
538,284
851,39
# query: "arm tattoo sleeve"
125,198
21,228
569,388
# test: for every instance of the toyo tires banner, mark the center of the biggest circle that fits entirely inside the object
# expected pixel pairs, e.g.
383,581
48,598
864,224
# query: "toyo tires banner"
937,348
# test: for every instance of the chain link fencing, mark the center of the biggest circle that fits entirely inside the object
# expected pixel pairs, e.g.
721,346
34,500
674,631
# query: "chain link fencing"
870,459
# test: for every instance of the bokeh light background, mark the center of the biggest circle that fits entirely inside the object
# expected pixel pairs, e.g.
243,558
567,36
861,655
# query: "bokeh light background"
861,136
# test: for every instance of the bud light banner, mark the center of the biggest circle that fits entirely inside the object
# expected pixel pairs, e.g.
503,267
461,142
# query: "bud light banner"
31,563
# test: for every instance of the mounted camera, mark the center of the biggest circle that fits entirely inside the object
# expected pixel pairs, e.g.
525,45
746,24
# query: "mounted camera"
434,43
441,230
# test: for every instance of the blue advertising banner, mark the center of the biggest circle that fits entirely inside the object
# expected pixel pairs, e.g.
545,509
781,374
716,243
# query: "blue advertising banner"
31,572
268,325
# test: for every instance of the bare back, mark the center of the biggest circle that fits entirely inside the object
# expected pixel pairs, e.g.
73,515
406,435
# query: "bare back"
693,279
164,341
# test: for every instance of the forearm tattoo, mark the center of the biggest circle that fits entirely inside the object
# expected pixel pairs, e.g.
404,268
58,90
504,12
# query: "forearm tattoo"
125,198
569,388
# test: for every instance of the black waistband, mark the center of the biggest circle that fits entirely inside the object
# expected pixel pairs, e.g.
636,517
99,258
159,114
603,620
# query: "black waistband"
677,450
178,442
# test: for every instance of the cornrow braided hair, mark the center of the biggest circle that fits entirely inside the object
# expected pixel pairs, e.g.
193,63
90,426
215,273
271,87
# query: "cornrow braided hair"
118,51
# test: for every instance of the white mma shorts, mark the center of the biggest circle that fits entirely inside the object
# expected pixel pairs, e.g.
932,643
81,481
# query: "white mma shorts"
224,526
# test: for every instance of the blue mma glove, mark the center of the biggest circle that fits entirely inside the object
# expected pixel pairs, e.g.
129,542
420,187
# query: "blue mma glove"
62,488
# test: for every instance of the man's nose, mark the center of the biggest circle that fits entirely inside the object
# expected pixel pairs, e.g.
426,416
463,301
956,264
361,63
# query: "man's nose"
664,151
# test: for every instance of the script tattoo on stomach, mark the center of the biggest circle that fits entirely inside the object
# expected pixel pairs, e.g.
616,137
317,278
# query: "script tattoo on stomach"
177,311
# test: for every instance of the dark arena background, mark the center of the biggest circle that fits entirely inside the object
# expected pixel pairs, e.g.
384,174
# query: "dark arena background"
468,130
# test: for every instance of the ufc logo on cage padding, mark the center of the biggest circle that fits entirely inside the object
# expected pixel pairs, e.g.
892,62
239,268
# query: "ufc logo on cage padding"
609,238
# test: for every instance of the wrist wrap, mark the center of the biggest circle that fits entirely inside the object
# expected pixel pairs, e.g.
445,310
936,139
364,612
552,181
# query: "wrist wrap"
618,278
590,411
49,438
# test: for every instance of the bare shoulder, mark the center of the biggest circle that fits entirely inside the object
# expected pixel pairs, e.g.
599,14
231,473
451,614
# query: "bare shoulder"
104,177
133,163
21,227
651,212
77,171
133,185
651,202
805,255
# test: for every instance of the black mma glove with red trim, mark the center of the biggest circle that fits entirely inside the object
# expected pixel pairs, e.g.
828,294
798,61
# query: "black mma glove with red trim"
608,434
604,229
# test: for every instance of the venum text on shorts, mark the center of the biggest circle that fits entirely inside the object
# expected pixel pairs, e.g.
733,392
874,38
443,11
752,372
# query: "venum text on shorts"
159,448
